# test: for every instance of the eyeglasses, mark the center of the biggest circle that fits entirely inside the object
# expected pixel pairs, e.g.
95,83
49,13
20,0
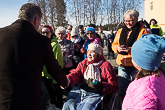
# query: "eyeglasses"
45,32
128,21
90,33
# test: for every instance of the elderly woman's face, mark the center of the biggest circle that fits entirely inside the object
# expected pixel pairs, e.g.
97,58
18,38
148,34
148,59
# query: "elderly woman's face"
90,34
91,55
61,35
129,22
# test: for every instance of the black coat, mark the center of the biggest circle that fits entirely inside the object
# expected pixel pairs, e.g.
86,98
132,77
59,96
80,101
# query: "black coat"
23,52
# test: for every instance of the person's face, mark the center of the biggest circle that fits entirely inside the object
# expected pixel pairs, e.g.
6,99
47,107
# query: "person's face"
60,35
80,30
37,22
90,34
135,65
46,32
69,29
99,29
152,22
129,22
111,31
91,55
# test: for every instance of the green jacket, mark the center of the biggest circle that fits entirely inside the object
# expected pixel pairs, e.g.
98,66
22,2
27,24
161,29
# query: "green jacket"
58,55
156,29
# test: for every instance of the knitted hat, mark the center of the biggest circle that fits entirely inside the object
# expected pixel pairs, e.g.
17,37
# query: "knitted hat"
96,48
91,29
74,32
47,26
148,50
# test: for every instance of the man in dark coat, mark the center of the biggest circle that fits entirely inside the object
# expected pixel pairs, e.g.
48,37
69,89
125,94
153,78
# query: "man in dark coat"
23,53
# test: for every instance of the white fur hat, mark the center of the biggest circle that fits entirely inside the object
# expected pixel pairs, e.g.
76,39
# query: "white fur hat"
96,48
74,32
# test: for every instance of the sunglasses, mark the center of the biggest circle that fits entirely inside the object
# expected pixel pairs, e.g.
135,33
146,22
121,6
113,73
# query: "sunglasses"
45,32
75,36
61,33
90,33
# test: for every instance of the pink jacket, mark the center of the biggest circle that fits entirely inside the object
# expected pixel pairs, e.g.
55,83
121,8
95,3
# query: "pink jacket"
147,93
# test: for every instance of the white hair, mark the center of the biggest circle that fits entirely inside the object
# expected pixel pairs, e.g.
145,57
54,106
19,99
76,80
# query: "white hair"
133,13
61,29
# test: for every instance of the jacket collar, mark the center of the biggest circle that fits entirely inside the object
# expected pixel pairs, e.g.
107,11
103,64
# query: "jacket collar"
23,23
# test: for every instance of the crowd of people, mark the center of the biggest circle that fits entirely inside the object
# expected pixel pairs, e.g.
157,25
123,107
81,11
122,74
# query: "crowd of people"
39,68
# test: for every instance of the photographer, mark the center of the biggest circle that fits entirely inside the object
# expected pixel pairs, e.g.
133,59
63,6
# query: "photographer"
122,45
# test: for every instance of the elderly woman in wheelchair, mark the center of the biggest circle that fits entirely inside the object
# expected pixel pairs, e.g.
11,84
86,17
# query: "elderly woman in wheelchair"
92,79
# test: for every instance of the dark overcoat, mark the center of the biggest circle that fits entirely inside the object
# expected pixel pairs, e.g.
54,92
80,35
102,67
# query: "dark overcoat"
23,52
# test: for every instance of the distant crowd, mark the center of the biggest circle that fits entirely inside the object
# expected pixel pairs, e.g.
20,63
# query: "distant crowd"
65,69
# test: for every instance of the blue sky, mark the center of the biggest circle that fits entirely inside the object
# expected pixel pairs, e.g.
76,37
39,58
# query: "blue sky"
9,10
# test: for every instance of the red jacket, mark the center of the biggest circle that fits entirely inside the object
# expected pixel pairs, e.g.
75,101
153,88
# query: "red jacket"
68,36
108,76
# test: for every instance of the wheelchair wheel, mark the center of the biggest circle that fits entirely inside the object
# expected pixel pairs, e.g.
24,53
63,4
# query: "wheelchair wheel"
115,102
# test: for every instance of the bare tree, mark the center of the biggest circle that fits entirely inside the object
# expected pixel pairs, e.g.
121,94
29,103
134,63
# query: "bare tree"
61,12
54,12
98,12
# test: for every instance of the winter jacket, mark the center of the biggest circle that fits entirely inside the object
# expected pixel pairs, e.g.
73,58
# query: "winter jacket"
124,60
103,38
78,56
147,93
108,76
58,55
25,51
156,29
68,36
110,39
57,51
67,49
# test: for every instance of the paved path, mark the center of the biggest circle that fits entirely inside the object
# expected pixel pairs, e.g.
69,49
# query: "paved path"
112,61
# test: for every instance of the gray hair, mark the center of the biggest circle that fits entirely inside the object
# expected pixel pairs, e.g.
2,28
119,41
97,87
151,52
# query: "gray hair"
133,14
29,11
61,29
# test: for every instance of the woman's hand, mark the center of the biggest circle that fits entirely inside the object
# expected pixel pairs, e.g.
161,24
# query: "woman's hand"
82,50
123,50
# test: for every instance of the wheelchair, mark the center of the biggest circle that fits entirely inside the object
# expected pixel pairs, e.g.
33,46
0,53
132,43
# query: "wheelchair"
111,102
108,101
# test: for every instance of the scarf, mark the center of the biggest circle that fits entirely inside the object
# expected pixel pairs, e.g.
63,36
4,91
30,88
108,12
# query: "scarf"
76,40
132,37
92,71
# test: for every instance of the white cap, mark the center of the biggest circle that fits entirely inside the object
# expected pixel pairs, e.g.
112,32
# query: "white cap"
96,48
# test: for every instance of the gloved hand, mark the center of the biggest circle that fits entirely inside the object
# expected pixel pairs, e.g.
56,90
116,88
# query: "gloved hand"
95,85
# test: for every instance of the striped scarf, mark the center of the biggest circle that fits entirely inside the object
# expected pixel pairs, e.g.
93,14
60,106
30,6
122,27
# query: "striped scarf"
92,71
